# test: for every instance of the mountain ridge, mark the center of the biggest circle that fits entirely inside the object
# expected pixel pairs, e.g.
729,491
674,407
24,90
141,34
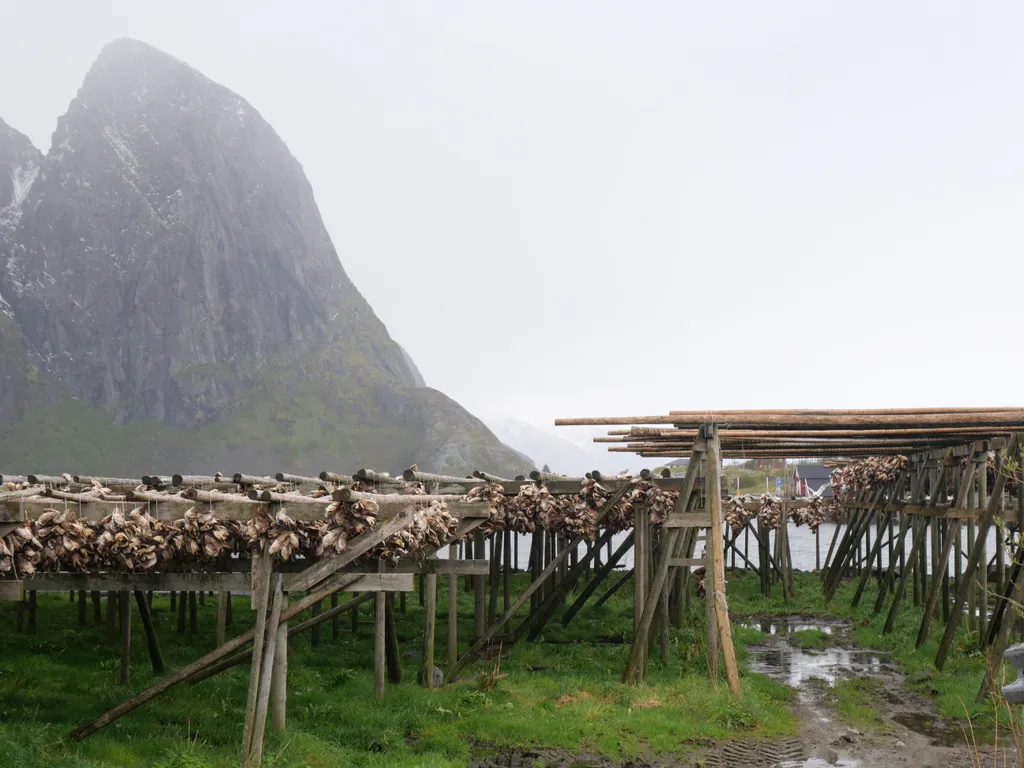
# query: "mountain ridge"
168,265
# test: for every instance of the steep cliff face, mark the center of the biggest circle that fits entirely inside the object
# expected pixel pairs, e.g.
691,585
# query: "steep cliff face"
167,262
171,249
20,374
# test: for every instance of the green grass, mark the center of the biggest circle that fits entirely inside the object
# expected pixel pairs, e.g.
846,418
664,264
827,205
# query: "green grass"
64,675
854,700
810,638
561,691
954,688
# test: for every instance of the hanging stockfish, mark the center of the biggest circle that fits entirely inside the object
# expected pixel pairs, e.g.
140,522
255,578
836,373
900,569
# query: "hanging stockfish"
414,488
523,508
289,538
812,515
493,494
23,549
866,473
132,541
67,540
736,514
432,526
770,513
346,521
199,537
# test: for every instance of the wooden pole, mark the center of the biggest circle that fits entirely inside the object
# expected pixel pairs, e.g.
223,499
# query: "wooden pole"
152,642
279,674
430,620
392,653
717,569
479,587
508,568
453,611
977,555
205,662
644,606
222,618
314,636
494,578
126,638
933,591
916,494
255,754
378,645
261,597
594,583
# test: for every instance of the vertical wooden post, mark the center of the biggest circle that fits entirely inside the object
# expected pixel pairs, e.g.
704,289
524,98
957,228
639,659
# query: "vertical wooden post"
494,577
314,634
976,560
392,653
508,567
81,608
279,676
335,621
253,758
479,587
430,620
156,658
193,616
222,618
355,617
33,608
716,591
933,591
125,675
111,616
260,598
378,645
982,581
641,552
453,620
97,610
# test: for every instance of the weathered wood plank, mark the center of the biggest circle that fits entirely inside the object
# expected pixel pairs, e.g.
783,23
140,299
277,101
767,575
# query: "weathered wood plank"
197,582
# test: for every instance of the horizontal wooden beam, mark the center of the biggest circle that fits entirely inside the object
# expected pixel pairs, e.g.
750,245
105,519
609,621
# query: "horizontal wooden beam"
687,562
12,590
238,583
174,508
689,520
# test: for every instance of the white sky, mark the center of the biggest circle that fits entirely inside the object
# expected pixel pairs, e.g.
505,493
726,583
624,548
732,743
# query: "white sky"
581,208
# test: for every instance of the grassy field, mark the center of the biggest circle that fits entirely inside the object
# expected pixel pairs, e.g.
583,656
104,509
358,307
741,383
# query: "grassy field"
562,691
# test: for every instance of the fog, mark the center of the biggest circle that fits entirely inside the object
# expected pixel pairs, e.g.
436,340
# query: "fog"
585,208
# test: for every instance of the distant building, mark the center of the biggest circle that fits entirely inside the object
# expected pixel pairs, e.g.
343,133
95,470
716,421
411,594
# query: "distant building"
767,463
809,478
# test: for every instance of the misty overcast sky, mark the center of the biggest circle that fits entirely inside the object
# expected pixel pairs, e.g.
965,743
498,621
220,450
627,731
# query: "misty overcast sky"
566,209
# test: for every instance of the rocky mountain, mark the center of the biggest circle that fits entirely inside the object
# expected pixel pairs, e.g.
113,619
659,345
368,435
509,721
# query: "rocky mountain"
171,297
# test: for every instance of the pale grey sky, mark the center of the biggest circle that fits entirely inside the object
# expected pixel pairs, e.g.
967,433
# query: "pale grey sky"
581,208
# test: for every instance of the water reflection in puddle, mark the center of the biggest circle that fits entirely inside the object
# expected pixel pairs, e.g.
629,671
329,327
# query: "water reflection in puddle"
795,666
817,762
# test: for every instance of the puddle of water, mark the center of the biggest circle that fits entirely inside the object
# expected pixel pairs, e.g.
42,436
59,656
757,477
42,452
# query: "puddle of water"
795,666
817,762
775,627
939,732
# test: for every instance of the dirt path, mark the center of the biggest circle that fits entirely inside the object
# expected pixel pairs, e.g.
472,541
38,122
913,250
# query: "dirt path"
908,731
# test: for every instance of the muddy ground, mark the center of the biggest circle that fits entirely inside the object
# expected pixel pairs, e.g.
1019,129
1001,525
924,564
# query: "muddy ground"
909,731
